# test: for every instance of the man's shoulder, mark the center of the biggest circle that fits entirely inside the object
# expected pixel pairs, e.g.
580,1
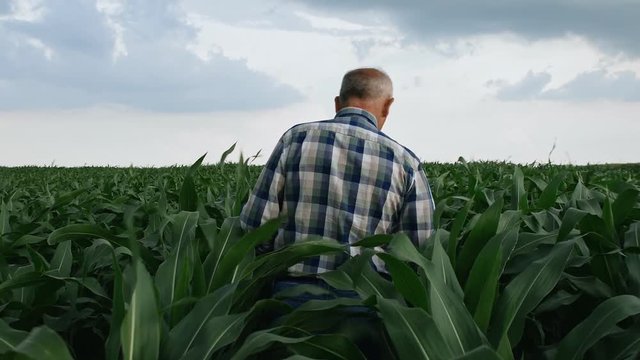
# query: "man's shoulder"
409,158
304,127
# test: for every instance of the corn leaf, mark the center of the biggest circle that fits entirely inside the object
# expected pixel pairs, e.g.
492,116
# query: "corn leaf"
525,292
140,332
600,323
413,332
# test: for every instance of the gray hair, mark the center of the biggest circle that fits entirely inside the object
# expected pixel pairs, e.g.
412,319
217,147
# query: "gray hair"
365,83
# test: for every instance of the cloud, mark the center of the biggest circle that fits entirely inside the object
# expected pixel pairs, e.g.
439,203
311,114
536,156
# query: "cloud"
5,8
599,85
587,86
613,25
529,88
135,54
252,13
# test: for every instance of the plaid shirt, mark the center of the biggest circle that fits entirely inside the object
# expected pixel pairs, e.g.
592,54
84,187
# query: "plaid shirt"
341,179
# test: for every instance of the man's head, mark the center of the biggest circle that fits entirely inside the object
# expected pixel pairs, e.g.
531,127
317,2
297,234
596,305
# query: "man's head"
368,89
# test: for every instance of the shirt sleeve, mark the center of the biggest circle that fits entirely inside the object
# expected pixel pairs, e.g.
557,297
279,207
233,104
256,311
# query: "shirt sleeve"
265,201
416,217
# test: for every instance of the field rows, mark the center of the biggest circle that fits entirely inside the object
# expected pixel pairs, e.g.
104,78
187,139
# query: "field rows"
536,261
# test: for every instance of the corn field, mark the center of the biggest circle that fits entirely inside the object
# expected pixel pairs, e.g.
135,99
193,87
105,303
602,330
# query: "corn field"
526,262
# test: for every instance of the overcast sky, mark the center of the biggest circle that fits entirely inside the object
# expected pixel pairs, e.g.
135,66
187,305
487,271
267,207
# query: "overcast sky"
160,82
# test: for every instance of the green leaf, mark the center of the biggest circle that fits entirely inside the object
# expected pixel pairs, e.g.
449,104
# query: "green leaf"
374,241
5,226
591,286
550,193
43,343
337,279
10,338
518,193
623,345
367,281
597,325
525,292
89,283
484,229
226,153
449,313
174,274
580,192
112,346
188,200
329,347
231,258
481,353
22,280
209,229
444,269
413,332
188,196
301,289
83,231
456,230
482,284
199,283
609,232
406,281
261,340
281,259
183,336
277,262
38,261
569,221
632,236
140,332
632,239
92,231
556,300
528,242
623,205
27,240
230,233
320,316
216,333
62,260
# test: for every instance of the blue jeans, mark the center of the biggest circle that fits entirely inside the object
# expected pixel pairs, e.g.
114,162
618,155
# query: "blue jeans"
361,324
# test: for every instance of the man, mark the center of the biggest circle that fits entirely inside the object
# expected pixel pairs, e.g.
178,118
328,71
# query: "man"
343,178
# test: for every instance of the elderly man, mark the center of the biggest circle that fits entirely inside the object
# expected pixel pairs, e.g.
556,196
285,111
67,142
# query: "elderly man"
343,178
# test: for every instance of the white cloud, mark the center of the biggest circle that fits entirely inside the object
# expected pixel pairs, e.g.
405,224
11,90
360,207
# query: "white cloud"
226,59
134,53
586,86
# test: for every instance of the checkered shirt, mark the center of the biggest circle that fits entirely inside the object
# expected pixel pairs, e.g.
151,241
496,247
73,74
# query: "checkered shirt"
341,179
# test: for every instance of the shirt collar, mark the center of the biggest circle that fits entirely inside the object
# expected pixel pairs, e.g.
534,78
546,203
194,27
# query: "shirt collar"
350,111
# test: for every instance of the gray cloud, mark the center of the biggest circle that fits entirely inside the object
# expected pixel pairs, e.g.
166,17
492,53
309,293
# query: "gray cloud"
598,85
259,13
589,86
530,87
5,8
613,24
157,73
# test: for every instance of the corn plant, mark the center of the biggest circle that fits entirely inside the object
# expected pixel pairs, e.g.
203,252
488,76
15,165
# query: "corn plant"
536,261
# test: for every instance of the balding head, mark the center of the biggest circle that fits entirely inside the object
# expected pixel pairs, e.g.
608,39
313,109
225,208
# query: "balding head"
365,84
369,89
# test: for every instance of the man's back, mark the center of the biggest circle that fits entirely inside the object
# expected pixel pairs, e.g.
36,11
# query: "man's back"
341,179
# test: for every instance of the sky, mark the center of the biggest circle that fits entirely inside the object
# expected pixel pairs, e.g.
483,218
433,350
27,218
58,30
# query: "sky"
161,82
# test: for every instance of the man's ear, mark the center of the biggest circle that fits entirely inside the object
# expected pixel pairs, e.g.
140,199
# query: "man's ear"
336,100
387,106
